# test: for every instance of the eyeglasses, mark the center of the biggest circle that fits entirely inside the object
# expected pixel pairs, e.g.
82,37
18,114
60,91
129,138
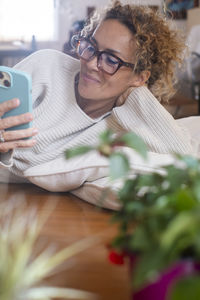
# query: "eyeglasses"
106,61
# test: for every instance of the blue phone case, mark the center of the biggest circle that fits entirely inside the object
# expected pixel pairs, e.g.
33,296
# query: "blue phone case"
16,84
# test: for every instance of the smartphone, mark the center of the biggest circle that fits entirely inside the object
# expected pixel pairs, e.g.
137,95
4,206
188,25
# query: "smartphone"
16,84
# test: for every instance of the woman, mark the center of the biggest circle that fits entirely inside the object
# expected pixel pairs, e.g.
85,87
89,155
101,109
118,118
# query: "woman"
127,59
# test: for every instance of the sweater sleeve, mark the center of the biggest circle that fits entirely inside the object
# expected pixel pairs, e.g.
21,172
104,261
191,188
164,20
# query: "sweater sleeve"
143,114
6,160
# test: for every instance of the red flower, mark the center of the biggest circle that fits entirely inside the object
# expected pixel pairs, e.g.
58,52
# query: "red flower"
116,258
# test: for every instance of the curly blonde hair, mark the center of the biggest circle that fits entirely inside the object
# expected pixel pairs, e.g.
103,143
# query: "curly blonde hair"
159,48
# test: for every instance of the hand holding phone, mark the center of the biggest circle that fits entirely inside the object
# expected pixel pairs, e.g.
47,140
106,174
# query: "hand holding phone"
15,114
16,84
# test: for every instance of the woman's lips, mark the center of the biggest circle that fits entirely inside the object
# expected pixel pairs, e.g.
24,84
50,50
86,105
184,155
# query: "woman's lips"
88,78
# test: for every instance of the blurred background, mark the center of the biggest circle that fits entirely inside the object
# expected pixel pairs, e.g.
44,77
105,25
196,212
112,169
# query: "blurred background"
30,25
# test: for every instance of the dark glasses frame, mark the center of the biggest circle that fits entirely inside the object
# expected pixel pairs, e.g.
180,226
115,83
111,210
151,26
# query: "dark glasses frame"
97,53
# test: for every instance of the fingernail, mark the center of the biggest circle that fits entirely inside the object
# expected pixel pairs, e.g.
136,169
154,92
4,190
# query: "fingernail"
35,131
29,118
17,102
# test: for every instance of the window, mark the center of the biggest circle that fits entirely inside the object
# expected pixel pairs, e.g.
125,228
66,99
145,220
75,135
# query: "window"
21,19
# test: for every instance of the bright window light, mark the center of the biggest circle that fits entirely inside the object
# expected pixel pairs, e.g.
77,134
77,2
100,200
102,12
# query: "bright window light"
21,19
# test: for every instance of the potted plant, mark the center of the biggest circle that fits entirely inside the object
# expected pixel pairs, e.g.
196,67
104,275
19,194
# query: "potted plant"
23,265
159,222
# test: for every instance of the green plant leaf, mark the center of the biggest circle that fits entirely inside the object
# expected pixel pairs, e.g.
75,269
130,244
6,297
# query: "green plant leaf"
46,262
56,293
22,264
184,199
190,161
127,192
77,151
186,289
148,268
135,142
180,224
196,189
119,165
106,137
140,240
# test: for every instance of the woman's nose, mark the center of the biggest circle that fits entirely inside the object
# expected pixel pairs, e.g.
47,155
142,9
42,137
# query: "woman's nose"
92,64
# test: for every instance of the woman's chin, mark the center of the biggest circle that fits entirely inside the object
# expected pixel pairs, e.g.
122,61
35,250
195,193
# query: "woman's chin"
87,93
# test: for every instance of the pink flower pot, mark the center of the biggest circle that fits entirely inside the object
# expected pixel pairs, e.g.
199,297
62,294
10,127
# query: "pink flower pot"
160,289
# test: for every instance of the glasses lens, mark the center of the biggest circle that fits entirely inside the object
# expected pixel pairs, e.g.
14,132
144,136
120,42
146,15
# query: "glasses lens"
108,62
85,49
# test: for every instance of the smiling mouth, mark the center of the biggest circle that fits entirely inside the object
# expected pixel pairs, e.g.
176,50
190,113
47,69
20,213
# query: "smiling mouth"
88,78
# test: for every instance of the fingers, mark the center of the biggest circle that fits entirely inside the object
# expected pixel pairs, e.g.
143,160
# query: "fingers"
16,120
14,139
19,134
6,146
8,105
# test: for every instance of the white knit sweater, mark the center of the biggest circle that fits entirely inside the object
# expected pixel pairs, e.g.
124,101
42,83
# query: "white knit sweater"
62,124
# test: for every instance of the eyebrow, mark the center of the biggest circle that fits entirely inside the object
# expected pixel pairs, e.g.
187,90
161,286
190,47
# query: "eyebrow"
107,49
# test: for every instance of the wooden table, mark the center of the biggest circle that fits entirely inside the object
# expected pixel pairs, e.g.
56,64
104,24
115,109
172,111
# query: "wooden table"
72,220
